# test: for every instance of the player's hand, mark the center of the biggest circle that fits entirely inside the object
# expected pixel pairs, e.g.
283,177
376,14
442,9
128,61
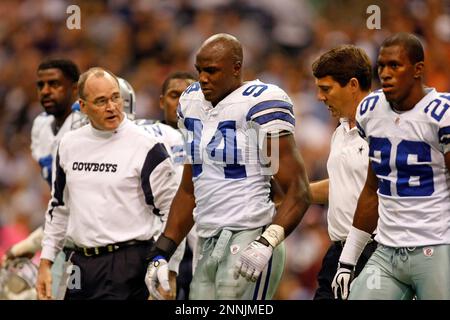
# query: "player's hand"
172,294
253,260
157,278
44,280
341,282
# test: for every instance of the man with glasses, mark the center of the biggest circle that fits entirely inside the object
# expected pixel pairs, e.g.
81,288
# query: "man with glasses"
113,185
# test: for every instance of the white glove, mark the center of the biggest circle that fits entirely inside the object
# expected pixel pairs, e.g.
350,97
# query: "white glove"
341,282
157,275
253,260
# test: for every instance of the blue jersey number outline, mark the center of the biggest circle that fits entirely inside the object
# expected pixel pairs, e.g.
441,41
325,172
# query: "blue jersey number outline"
368,103
255,89
230,154
405,171
195,86
436,112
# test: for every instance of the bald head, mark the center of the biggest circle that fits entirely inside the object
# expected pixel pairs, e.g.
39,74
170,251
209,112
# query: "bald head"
95,72
219,66
224,44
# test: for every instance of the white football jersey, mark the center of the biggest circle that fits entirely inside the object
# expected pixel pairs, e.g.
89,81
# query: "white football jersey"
44,142
172,140
231,180
407,155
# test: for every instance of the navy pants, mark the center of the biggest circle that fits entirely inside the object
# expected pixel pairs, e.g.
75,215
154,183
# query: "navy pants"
118,275
330,266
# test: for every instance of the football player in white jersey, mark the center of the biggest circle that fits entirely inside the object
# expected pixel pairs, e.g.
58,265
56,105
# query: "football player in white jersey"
226,123
167,130
57,92
407,126
343,78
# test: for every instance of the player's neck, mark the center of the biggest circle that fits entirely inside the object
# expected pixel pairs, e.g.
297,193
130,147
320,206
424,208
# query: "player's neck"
231,90
170,123
417,93
351,122
59,121
357,99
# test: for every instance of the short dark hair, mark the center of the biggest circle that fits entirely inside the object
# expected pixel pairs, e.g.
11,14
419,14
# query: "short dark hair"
343,63
176,75
409,42
67,67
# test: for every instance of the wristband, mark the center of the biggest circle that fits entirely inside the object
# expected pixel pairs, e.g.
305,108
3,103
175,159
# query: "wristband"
354,246
164,246
274,234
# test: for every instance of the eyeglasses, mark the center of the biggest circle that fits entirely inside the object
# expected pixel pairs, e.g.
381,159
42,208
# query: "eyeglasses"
101,102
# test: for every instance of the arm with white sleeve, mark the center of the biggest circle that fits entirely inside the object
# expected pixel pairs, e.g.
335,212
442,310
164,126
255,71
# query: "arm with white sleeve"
55,228
364,224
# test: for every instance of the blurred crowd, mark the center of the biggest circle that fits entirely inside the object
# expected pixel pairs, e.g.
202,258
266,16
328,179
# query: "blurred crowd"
144,40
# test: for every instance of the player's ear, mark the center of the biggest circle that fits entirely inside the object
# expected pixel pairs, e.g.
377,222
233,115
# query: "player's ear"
419,69
237,67
82,105
75,89
354,84
161,102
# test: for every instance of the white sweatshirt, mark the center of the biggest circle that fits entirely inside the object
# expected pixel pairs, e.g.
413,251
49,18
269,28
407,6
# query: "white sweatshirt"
109,187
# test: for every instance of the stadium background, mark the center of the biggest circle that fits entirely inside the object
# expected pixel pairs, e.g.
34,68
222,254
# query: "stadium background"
145,40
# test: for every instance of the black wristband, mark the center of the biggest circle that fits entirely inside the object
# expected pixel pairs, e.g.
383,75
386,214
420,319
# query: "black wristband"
263,240
346,266
164,246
